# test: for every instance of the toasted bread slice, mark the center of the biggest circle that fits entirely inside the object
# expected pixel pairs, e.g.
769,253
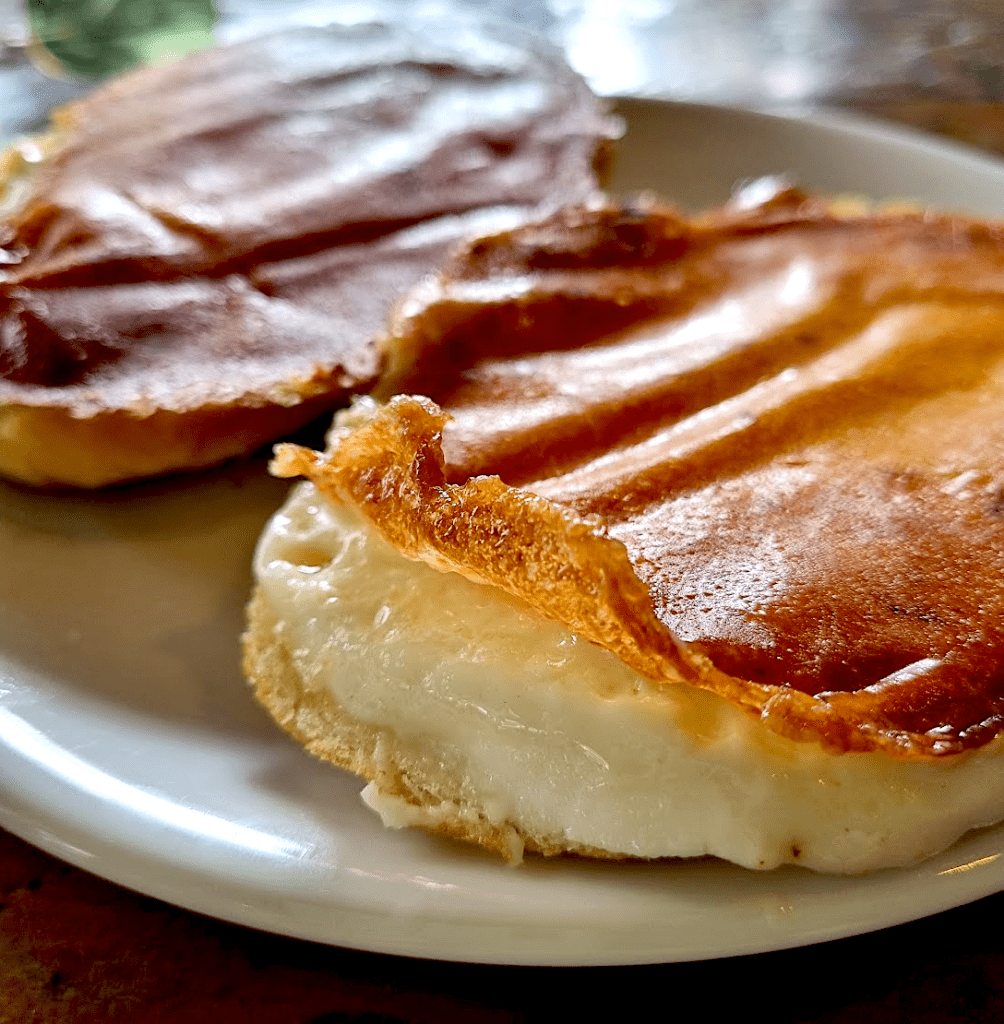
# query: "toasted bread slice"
753,459
202,256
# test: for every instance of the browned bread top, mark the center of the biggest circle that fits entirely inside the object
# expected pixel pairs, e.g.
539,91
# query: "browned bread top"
233,228
762,450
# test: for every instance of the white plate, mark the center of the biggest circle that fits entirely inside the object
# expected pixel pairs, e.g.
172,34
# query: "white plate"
129,744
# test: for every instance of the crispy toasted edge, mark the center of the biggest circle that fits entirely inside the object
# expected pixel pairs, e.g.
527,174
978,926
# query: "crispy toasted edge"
47,446
387,462
313,717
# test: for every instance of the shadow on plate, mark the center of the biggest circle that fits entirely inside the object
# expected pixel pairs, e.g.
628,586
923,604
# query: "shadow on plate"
135,595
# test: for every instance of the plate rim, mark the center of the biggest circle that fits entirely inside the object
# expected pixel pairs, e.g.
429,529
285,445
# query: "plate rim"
450,938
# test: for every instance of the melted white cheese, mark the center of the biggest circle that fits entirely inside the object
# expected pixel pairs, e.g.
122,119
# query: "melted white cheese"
558,736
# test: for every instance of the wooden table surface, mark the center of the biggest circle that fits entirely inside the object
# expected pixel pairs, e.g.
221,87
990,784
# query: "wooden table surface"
77,949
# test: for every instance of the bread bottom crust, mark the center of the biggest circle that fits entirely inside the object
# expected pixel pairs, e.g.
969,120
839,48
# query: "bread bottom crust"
47,446
408,787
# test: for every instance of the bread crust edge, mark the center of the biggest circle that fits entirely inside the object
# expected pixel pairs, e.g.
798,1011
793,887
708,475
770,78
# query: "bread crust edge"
313,717
47,446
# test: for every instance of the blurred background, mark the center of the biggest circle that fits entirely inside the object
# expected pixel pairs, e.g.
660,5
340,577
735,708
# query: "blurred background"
937,64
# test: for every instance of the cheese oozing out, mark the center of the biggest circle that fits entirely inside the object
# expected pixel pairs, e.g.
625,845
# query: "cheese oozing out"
550,735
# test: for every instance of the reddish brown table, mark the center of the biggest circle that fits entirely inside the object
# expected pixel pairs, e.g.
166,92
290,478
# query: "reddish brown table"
77,949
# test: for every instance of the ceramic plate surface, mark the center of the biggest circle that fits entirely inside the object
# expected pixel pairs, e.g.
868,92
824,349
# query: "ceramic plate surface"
129,744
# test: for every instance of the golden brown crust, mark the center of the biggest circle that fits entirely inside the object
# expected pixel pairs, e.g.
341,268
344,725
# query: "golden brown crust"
49,447
759,450
391,470
215,241
314,719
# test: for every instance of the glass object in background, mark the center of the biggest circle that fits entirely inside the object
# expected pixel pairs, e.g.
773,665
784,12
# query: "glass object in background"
96,38
935,64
